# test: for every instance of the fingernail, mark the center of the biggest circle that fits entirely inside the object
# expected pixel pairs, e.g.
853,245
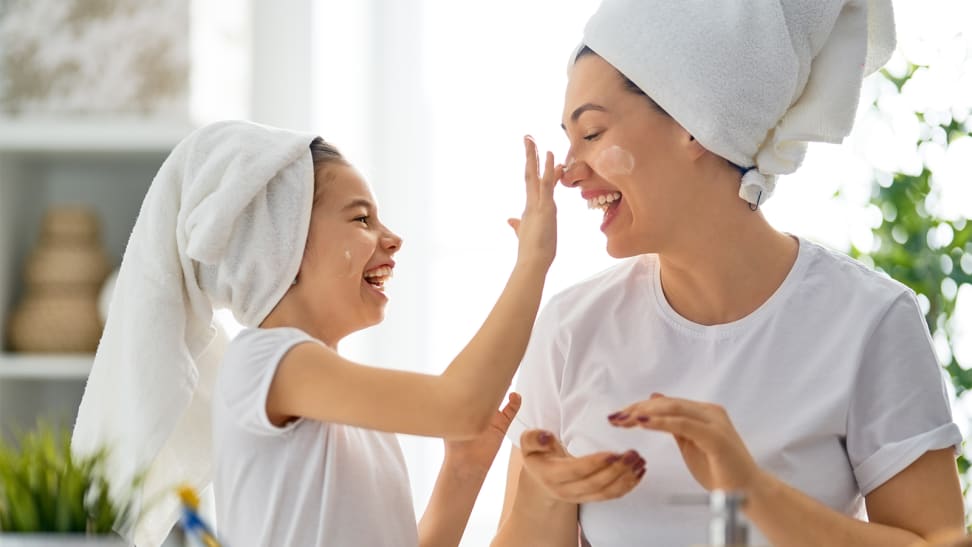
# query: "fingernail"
619,416
613,416
638,465
612,458
544,438
643,419
640,474
630,458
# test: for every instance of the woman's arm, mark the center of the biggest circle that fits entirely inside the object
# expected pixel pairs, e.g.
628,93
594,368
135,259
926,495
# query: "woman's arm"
315,382
922,501
530,517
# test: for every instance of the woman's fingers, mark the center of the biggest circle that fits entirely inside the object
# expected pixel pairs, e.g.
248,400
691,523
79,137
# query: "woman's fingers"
603,475
598,476
641,413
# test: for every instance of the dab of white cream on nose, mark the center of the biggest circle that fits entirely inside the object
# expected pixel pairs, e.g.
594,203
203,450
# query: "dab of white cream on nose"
613,161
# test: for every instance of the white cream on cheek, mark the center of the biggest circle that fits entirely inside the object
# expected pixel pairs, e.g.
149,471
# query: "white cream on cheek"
613,161
347,258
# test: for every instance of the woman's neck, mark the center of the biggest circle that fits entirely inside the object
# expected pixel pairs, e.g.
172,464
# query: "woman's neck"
726,274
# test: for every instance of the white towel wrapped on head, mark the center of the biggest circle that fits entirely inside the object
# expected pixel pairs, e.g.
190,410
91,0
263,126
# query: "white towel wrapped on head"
753,81
223,225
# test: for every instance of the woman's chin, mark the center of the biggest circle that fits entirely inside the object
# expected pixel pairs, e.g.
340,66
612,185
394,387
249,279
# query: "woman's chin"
618,249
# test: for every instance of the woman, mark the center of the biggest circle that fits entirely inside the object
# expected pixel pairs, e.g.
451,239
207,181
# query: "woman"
730,355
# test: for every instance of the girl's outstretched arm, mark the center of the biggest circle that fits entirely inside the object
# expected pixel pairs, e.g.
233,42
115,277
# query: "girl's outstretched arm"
313,381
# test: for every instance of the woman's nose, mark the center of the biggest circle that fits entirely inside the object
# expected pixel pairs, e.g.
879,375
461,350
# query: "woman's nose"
574,172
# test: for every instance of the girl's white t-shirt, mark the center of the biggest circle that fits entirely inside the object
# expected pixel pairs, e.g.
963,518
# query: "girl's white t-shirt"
832,384
308,483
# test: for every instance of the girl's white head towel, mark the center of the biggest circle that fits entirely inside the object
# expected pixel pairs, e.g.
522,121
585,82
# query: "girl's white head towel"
223,225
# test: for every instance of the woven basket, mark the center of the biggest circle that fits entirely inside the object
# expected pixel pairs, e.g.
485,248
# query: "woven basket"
64,275
56,323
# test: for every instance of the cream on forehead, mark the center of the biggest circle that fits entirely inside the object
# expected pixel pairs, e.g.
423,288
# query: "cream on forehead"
613,161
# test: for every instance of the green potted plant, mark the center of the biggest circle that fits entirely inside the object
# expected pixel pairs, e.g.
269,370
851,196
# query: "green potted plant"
50,498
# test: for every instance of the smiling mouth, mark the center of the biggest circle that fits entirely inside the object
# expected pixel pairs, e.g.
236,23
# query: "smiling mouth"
377,277
603,201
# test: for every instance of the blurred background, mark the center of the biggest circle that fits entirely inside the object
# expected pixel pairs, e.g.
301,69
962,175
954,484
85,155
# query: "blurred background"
430,100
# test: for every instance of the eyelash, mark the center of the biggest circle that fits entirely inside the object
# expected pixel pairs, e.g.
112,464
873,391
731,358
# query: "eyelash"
592,137
362,219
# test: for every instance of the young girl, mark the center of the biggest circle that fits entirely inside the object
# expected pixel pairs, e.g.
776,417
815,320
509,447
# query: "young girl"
303,450
279,228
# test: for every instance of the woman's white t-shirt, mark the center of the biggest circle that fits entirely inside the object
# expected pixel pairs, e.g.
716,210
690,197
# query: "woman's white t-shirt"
308,483
832,383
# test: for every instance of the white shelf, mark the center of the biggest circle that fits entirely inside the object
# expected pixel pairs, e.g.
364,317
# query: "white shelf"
44,366
90,135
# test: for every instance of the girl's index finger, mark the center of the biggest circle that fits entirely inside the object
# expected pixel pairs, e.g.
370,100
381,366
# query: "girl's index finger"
531,174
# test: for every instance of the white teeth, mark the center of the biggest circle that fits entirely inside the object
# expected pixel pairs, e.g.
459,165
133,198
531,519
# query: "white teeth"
603,200
378,277
384,271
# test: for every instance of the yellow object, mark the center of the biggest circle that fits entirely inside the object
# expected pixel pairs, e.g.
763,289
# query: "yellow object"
189,497
192,523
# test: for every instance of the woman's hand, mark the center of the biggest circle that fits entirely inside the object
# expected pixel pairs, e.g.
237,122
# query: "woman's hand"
600,476
537,229
475,456
712,449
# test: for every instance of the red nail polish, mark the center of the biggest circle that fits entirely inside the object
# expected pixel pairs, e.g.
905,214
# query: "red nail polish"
630,458
544,438
613,416
643,419
640,474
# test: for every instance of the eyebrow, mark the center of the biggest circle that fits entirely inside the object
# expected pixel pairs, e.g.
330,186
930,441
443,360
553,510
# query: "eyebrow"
360,202
580,110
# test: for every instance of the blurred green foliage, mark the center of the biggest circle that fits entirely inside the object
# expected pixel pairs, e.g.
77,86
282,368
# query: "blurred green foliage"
44,488
913,245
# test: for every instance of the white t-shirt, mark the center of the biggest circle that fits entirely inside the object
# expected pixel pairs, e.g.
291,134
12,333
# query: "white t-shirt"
308,483
832,383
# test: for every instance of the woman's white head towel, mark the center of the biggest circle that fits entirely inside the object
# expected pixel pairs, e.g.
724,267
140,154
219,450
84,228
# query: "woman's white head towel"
752,81
223,225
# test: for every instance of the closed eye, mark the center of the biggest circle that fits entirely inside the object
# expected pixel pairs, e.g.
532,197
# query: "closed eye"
592,137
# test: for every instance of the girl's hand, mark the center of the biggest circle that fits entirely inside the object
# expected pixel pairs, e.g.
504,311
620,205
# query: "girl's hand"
475,456
537,229
712,449
599,476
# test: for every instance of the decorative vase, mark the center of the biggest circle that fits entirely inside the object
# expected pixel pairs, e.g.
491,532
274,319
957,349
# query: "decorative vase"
63,277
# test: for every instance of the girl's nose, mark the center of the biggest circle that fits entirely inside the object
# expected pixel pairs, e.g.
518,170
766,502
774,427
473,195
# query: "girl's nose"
391,242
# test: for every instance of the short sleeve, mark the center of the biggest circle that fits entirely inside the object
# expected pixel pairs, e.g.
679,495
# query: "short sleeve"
899,408
247,371
539,378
